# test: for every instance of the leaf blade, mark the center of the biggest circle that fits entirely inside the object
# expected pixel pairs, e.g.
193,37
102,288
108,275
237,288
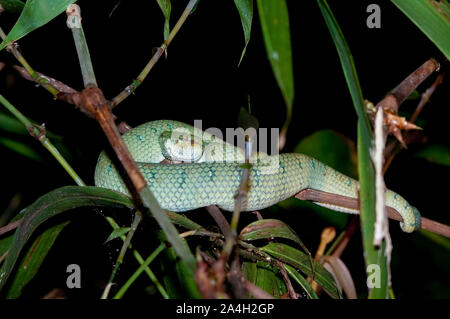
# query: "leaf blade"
245,9
301,261
34,15
274,19
432,18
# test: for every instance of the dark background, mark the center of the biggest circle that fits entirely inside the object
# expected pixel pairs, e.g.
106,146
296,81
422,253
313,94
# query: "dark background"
201,79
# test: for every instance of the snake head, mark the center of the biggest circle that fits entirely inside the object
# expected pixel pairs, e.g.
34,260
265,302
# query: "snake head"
180,145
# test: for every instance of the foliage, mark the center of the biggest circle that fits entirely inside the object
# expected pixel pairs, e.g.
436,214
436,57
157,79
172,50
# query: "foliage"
273,238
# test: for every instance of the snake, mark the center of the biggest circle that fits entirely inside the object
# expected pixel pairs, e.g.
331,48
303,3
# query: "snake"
187,168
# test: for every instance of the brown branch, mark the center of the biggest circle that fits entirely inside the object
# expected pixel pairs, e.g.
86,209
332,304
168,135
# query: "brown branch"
236,278
401,92
353,203
60,86
287,281
92,102
220,220
10,226
426,96
410,137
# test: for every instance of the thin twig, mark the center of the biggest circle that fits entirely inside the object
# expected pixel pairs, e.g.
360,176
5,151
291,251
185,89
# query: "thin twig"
394,148
141,268
220,220
60,86
13,49
136,220
159,52
287,281
10,226
401,92
39,134
74,24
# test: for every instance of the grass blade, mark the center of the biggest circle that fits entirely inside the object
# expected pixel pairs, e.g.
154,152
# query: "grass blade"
12,5
245,8
365,167
432,17
274,18
34,15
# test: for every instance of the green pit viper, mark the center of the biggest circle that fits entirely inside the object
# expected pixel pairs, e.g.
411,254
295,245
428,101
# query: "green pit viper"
210,173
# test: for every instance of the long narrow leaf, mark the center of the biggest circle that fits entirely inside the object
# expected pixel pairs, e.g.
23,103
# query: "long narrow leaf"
34,15
274,18
33,259
302,262
245,8
59,201
432,17
12,5
365,167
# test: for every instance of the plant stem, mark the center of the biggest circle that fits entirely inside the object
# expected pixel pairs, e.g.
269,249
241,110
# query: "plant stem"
137,273
35,132
41,80
74,23
141,77
39,134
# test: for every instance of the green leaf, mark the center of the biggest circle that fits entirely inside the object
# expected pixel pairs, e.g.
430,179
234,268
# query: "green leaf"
173,267
245,8
34,15
365,167
274,18
302,262
432,18
33,259
438,154
20,148
301,281
270,228
116,233
166,8
265,276
12,5
59,201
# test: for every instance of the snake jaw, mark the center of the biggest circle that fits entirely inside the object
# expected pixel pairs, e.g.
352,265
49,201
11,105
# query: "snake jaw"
180,146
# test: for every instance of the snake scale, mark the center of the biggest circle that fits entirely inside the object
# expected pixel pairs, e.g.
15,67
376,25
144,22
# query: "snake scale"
203,179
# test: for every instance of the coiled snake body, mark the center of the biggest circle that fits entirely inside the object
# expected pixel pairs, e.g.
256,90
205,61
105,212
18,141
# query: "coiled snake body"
207,179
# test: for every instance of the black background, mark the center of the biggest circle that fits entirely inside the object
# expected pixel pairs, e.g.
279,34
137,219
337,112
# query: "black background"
200,79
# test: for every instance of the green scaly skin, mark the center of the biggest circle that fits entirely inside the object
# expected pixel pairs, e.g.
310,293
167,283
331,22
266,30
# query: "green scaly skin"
189,186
